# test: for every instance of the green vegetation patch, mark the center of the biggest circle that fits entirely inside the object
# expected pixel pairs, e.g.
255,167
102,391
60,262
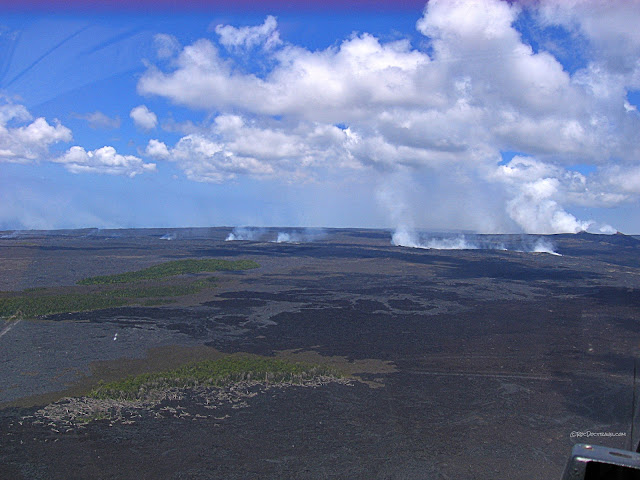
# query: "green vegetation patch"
218,373
169,269
162,290
43,302
38,305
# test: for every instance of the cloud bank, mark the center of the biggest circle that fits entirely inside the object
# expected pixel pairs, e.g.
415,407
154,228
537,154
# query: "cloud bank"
444,109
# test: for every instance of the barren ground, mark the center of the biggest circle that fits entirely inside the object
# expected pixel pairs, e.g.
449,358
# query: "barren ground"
461,364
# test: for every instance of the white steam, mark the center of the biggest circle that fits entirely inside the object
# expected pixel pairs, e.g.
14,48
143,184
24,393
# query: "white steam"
606,230
455,243
404,237
261,234
284,237
535,210
544,246
295,236
245,233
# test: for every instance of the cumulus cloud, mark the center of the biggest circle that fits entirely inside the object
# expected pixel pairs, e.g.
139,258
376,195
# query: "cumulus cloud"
233,146
103,160
330,85
23,139
144,118
156,148
204,160
477,90
266,35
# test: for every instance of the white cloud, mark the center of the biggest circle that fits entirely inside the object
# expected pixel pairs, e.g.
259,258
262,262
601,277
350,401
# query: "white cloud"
166,45
28,142
266,35
465,21
482,88
157,149
388,106
610,27
208,161
232,146
143,117
538,190
625,179
103,160
610,32
330,85
100,120
31,142
11,111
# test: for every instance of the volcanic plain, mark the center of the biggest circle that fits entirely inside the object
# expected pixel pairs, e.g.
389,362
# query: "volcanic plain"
434,364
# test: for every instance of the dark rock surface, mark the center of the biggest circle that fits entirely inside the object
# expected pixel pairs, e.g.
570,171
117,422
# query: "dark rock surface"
499,356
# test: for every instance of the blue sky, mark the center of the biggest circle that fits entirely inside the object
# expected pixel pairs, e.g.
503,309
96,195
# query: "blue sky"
485,115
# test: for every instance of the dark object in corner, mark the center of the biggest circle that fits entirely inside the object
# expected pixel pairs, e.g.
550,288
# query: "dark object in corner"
593,462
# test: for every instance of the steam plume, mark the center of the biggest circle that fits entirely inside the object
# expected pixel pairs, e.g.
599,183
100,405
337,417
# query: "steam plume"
245,233
404,237
308,235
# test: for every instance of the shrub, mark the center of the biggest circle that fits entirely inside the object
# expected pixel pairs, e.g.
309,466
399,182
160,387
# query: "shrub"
221,372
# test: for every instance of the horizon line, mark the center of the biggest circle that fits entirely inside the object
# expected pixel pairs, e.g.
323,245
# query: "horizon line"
383,229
